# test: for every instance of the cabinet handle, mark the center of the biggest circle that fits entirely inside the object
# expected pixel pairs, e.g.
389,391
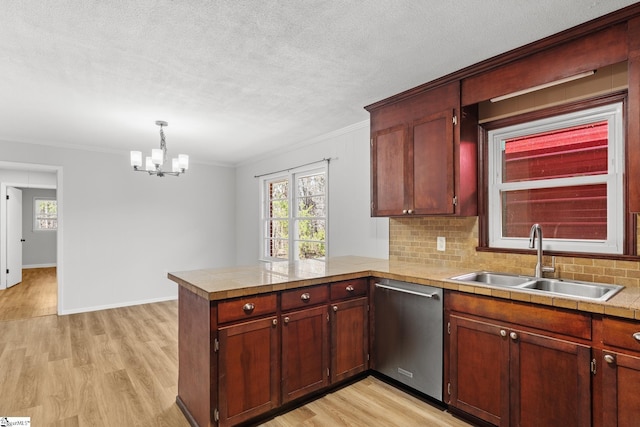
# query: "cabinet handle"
274,322
503,333
410,211
286,320
335,308
248,307
636,336
305,296
349,288
513,336
404,211
609,359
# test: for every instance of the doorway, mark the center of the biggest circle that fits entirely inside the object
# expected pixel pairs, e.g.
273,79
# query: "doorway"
39,291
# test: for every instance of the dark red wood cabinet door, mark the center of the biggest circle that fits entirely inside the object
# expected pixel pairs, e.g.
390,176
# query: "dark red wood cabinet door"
479,369
433,169
248,370
305,352
388,161
550,381
620,390
349,338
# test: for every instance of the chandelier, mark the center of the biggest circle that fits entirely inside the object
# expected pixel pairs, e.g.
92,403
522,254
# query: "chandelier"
153,163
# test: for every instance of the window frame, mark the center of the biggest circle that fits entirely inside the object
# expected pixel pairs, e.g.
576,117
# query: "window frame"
626,244
293,219
35,226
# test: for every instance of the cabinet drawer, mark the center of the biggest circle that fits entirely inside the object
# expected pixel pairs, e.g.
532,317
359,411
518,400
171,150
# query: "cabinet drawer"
246,308
621,333
548,319
349,289
304,297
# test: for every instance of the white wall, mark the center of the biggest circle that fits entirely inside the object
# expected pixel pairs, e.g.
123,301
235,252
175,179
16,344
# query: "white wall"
122,231
352,231
39,247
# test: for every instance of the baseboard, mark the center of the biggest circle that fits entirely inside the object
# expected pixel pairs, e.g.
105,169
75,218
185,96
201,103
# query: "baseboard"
117,305
26,267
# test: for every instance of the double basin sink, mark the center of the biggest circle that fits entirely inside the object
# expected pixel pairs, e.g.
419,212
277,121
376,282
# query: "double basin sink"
550,287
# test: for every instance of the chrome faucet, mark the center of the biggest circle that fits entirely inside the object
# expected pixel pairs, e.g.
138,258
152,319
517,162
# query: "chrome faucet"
536,231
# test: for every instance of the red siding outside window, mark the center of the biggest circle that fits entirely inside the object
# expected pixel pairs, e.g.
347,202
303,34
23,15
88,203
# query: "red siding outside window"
568,212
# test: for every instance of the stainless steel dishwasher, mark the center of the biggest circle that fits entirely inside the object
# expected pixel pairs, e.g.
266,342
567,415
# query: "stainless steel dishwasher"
409,334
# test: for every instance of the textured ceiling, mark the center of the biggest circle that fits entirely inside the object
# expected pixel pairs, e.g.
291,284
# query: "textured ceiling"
237,79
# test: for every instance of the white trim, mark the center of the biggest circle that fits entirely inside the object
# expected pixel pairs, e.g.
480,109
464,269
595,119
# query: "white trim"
119,305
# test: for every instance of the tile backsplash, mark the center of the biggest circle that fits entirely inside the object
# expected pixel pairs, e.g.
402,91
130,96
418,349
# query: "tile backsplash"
414,240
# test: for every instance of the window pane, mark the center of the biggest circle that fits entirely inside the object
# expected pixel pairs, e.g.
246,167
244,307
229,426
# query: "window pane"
278,229
277,248
311,185
311,207
574,151
578,212
279,189
279,209
310,250
311,229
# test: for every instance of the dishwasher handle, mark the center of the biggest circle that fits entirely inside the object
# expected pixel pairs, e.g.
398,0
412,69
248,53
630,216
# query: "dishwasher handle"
433,295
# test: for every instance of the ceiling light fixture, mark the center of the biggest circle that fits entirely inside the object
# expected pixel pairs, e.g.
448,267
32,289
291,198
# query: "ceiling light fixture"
158,156
543,86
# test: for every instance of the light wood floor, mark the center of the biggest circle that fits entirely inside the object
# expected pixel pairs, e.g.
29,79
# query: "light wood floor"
119,367
36,295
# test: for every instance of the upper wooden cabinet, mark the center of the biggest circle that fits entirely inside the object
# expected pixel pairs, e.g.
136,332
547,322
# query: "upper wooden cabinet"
424,155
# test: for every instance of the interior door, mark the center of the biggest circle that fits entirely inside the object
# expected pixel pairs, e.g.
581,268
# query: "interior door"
14,236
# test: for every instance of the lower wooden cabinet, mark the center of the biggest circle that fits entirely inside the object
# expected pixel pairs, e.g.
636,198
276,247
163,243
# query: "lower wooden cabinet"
617,355
248,366
621,389
510,375
266,350
305,352
349,338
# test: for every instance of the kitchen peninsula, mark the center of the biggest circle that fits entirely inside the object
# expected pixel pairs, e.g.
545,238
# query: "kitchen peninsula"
235,328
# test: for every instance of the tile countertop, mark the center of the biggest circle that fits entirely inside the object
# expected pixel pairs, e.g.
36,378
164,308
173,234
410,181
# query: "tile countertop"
224,283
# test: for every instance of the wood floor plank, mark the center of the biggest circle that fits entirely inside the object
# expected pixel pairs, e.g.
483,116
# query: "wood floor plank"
36,295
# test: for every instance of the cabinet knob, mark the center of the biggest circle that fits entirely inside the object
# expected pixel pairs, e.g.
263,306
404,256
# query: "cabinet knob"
404,211
274,322
410,211
513,336
248,307
609,359
286,320
503,333
305,296
636,336
349,288
335,308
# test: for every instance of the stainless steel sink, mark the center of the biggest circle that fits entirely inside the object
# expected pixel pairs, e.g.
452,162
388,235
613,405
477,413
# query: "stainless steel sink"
495,279
551,287
593,291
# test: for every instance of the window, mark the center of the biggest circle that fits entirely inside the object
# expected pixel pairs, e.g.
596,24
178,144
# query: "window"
565,173
45,214
294,216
